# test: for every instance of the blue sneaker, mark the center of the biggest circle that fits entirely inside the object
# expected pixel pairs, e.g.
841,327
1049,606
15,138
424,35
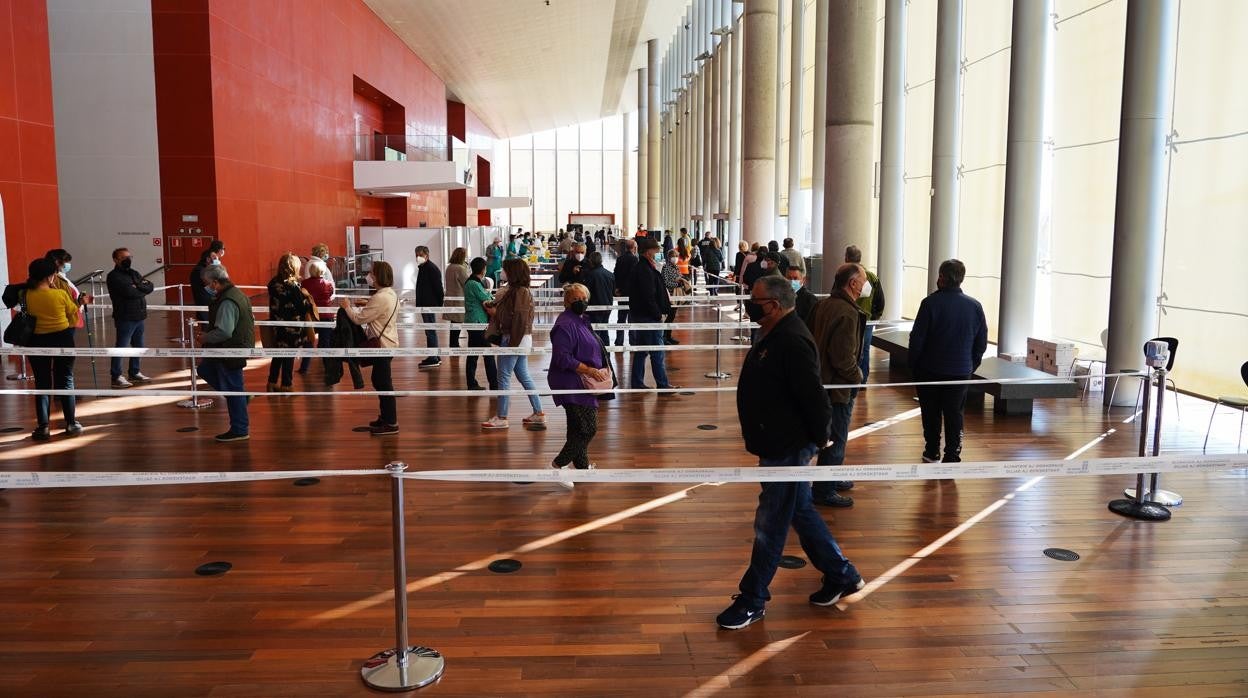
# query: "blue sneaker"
739,615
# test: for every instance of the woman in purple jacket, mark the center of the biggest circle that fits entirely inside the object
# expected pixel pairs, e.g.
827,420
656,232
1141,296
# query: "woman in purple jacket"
576,352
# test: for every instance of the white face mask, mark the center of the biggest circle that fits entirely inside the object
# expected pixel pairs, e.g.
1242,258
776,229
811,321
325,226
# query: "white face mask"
372,281
764,266
502,275
866,290
579,257
420,261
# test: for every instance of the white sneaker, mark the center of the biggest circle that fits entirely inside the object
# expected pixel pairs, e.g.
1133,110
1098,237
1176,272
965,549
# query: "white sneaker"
566,484
121,382
139,378
535,418
495,423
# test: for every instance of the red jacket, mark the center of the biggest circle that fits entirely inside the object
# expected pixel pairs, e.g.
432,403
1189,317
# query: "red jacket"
322,292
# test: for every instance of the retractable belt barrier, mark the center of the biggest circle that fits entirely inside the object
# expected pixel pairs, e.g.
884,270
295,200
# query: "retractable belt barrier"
747,474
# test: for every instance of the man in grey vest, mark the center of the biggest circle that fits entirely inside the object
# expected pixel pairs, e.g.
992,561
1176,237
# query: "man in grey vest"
230,326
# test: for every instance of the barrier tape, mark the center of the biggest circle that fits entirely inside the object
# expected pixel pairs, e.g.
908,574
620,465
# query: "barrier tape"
331,352
750,474
855,473
155,392
45,479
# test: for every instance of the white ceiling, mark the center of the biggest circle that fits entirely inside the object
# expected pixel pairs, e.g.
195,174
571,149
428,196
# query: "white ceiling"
529,65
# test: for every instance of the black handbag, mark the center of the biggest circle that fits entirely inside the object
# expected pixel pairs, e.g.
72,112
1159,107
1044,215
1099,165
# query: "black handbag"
21,331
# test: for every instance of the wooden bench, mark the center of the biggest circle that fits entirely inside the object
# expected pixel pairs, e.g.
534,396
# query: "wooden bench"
1013,397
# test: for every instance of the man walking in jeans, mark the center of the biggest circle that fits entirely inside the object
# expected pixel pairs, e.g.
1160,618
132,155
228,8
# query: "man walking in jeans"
127,290
947,343
648,302
784,415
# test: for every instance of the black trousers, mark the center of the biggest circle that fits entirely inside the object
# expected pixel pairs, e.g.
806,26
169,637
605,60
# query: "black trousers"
382,380
582,425
942,404
284,367
476,338
621,316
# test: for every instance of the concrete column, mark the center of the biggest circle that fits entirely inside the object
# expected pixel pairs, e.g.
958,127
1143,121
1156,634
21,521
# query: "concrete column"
1031,39
820,151
725,113
650,173
626,223
734,135
797,213
643,145
849,126
946,138
713,141
782,176
1139,209
892,155
758,120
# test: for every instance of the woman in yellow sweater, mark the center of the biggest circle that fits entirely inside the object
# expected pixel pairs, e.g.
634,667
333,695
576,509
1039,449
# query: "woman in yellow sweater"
55,315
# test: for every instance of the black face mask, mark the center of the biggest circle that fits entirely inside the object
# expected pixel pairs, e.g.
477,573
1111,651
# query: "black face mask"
755,311
126,263
579,307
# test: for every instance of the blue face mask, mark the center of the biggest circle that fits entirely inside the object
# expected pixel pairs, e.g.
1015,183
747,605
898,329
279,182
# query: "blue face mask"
215,262
210,291
65,269
796,284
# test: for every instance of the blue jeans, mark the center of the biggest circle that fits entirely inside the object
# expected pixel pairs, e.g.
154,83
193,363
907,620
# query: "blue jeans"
834,454
865,362
784,504
431,336
216,375
129,334
54,373
657,359
507,364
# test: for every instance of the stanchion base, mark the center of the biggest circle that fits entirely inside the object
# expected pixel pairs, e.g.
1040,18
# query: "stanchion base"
196,404
739,338
17,377
424,666
179,340
1163,497
718,376
1145,511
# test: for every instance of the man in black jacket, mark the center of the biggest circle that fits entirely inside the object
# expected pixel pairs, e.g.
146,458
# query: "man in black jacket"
127,290
429,294
624,266
806,300
947,343
648,302
712,261
601,285
784,415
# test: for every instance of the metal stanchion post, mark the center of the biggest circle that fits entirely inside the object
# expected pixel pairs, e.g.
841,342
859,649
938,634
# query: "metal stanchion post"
403,667
1163,497
181,338
718,375
194,403
1138,506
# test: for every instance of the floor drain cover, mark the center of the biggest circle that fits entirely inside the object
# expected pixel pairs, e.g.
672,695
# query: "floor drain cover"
504,566
305,481
213,568
792,562
707,427
1062,554
187,430
686,392
11,430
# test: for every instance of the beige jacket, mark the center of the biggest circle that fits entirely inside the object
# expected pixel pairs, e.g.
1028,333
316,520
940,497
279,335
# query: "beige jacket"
381,313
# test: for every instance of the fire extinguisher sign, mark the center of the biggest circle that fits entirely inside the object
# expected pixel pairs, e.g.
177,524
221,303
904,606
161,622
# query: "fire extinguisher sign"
156,242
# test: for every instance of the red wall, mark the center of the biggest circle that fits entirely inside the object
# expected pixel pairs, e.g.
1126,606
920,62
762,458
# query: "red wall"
281,115
32,217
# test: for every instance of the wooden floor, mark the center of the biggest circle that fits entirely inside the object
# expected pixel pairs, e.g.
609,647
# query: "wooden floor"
620,584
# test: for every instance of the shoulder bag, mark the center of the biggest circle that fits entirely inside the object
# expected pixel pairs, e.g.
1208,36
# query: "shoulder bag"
21,332
606,385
